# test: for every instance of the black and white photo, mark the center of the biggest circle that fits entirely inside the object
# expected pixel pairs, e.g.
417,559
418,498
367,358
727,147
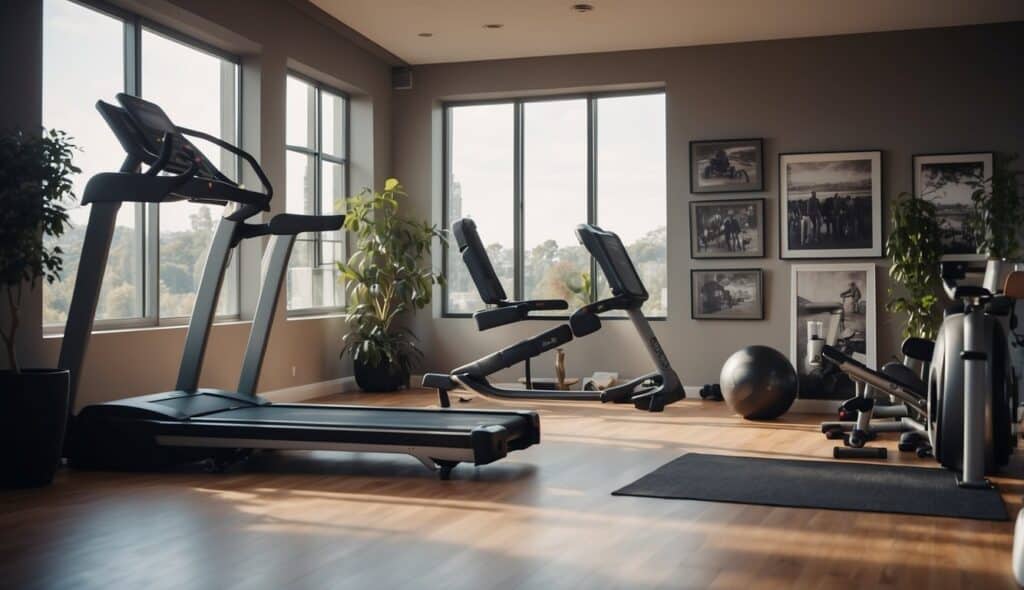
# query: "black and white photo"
726,166
830,205
727,229
837,303
727,294
949,181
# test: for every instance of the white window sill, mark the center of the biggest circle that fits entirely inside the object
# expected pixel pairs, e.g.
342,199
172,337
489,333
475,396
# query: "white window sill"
314,314
59,335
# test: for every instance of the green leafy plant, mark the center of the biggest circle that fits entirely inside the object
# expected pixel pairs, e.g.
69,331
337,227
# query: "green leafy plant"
915,246
582,291
35,184
998,210
388,274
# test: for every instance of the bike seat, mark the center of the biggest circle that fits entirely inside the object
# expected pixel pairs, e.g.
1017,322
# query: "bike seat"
971,292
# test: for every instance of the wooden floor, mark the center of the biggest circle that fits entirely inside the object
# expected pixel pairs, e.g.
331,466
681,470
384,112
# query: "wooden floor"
543,518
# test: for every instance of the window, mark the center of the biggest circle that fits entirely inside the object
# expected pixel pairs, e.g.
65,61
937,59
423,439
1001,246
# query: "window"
317,183
528,171
199,90
158,251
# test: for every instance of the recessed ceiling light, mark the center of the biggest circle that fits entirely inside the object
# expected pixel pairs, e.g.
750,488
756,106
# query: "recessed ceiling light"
425,34
582,8
493,26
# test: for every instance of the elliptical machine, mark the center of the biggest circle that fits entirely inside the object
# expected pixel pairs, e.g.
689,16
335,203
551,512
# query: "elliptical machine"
972,389
966,408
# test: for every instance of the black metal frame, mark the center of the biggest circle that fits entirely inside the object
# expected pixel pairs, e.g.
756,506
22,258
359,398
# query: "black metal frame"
147,218
914,177
693,234
783,229
760,162
319,157
760,290
518,192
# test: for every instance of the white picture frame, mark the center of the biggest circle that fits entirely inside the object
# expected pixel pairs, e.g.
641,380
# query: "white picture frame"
844,177
811,298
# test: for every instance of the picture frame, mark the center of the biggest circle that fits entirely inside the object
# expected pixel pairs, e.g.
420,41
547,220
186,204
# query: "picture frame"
843,296
726,294
830,205
727,165
712,237
948,181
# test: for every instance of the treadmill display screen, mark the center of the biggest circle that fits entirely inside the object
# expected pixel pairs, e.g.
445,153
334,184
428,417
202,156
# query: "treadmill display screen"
622,268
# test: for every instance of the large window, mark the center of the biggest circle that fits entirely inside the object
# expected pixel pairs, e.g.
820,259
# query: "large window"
528,171
158,251
317,183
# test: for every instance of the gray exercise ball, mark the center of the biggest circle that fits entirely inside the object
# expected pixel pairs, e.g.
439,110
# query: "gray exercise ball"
759,383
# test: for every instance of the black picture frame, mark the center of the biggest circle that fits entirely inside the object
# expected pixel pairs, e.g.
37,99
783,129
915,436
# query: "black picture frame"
759,307
876,248
695,232
917,161
737,187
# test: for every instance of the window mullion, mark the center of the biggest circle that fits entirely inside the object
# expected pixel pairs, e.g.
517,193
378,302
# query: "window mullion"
592,183
318,197
446,177
518,199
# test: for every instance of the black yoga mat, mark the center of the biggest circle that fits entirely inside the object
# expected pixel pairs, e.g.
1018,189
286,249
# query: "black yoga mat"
818,484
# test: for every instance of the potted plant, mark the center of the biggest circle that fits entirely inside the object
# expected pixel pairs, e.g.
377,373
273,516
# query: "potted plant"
915,246
997,217
387,275
35,182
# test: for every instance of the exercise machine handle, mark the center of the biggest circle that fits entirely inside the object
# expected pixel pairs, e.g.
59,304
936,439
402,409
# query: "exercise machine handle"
585,320
267,188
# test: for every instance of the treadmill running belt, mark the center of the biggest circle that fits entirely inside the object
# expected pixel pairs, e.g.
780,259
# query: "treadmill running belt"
369,417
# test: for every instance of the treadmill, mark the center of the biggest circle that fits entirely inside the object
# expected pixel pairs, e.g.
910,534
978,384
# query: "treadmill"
190,424
650,392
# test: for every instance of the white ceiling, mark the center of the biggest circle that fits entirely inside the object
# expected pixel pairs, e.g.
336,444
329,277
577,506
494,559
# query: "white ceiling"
550,27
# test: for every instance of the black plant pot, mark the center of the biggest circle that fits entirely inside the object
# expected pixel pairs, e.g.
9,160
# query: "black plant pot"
381,378
33,419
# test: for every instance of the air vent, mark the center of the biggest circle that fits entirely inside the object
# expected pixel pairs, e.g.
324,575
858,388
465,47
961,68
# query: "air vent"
401,78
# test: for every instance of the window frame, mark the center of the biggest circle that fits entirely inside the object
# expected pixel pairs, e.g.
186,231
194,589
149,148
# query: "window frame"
319,158
518,182
147,215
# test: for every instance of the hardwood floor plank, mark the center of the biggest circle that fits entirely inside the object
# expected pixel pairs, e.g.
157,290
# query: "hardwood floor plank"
542,518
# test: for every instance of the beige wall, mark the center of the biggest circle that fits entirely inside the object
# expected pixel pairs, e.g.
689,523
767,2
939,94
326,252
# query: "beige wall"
270,36
904,93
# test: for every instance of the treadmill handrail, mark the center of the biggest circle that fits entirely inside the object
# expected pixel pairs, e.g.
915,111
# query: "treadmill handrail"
268,188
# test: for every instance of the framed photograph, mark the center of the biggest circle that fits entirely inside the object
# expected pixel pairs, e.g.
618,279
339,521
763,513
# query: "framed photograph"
727,229
949,180
727,294
830,205
840,300
726,166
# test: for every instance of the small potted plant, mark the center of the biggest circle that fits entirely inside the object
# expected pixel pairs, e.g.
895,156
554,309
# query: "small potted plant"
35,183
915,246
388,274
997,218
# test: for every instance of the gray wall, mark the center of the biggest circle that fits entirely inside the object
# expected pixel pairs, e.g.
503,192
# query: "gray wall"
944,90
270,36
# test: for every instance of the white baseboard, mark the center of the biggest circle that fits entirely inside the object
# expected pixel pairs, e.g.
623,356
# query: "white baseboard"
301,393
816,406
801,406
